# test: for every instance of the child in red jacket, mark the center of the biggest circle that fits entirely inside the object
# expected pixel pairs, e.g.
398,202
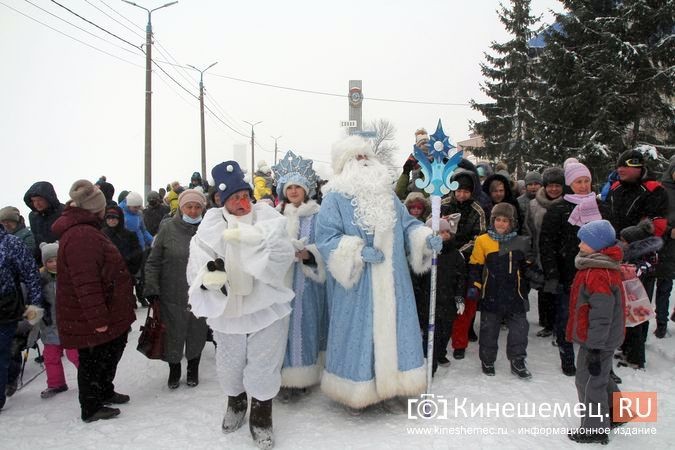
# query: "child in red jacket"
596,322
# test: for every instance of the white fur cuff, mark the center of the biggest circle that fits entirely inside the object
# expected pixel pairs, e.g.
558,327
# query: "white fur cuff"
420,255
318,273
345,263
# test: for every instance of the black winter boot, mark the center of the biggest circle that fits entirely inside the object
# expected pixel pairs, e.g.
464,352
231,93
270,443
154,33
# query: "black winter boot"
236,411
193,372
519,369
260,423
174,375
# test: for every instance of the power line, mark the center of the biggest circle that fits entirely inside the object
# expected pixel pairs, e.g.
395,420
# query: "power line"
69,36
92,23
123,17
79,28
330,94
111,17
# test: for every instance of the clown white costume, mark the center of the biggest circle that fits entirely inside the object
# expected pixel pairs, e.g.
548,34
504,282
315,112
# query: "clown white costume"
247,304
307,330
367,238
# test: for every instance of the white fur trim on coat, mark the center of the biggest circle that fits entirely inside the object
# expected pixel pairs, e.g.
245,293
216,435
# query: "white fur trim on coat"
318,272
384,317
360,394
419,255
345,263
301,377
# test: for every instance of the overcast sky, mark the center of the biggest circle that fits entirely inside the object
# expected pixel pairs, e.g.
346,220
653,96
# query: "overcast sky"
70,111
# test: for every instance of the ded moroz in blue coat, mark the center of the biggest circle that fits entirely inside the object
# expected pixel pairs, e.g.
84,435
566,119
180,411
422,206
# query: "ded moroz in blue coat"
374,349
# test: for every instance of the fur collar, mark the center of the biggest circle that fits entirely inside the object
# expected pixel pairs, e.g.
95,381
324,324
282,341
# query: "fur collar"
305,209
543,199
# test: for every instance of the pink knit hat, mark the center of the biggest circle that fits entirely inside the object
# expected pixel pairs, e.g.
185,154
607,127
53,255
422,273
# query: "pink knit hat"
191,195
574,171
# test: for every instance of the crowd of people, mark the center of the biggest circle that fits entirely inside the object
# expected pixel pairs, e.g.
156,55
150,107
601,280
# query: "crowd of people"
302,283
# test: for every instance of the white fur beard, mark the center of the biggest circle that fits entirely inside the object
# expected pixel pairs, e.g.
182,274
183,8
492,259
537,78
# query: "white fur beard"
368,183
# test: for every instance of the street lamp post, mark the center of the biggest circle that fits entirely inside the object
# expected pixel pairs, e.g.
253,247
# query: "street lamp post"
275,147
252,147
201,112
148,94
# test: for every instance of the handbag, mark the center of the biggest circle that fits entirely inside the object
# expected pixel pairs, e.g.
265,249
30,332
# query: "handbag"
638,307
151,340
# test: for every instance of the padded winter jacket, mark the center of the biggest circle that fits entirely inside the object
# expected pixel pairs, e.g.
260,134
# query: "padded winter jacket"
597,305
134,222
558,243
17,265
95,288
126,242
539,205
666,267
41,222
451,282
472,222
628,203
498,270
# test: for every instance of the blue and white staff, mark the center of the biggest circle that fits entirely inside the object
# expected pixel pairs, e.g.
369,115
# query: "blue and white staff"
437,169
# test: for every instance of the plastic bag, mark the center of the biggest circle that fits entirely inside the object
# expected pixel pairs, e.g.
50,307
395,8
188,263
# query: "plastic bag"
638,307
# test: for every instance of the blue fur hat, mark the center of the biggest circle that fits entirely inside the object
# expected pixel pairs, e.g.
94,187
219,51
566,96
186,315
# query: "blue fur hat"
229,178
598,234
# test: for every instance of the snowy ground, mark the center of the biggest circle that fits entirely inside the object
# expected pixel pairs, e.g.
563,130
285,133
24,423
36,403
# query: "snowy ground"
189,418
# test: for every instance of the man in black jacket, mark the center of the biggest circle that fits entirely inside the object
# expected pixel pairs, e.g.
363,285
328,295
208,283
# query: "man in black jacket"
631,199
45,209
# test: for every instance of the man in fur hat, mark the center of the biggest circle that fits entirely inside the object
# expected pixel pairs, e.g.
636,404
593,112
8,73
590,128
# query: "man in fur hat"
367,239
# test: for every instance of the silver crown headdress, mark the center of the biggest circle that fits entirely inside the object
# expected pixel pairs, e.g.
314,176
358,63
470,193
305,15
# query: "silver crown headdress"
294,170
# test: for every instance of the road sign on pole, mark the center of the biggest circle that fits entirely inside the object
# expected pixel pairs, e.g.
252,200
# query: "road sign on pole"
348,123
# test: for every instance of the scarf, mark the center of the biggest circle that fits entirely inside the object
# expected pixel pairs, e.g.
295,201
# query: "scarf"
501,237
595,260
586,210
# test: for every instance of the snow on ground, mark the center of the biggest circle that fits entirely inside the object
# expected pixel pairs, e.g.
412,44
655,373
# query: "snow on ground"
189,418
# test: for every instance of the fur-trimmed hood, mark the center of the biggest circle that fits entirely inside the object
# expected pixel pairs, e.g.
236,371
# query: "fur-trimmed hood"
636,250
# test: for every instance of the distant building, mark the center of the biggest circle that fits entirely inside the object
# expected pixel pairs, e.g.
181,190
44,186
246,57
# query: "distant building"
475,141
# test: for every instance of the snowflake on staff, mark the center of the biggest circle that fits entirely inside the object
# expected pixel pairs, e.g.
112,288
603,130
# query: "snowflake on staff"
436,168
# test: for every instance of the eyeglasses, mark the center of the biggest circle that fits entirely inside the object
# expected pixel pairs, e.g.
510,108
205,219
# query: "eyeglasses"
633,162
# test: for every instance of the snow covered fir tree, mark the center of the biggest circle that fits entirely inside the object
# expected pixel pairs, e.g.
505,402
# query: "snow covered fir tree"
601,83
510,80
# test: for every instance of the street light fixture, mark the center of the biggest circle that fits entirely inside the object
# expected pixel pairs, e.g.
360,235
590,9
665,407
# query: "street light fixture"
201,111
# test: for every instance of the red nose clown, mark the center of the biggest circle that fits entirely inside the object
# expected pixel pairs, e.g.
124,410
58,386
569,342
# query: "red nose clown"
229,179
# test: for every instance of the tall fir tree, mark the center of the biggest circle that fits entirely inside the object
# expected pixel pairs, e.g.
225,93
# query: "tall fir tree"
602,80
509,81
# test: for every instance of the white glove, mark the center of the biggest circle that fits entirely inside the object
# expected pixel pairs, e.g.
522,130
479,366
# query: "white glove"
215,280
245,234
299,244
33,314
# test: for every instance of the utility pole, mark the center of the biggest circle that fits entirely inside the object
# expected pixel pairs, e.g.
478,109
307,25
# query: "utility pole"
275,147
252,147
148,94
201,112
